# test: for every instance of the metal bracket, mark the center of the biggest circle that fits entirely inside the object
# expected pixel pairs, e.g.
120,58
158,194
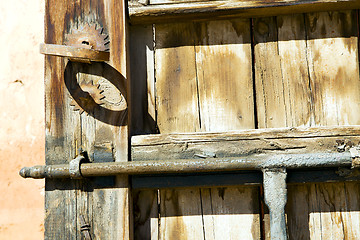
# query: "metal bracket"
74,166
85,44
275,193
355,155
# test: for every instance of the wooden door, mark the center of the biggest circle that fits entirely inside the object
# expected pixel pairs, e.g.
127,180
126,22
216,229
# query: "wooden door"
217,75
224,75
101,130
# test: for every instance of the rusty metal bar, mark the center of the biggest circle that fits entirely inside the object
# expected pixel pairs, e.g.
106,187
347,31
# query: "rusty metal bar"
273,168
255,162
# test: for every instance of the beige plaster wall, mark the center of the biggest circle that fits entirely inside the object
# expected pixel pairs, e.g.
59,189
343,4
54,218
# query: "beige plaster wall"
21,118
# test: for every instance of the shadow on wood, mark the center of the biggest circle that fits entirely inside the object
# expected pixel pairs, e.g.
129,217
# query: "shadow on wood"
113,112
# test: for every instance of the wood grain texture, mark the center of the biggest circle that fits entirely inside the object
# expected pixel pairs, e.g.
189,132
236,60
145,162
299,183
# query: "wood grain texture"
192,87
181,214
177,111
306,75
153,2
306,84
242,143
281,72
330,211
231,213
101,130
196,93
176,83
271,107
223,70
333,67
143,11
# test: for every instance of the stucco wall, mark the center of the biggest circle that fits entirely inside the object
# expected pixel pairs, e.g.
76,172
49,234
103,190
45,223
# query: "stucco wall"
22,118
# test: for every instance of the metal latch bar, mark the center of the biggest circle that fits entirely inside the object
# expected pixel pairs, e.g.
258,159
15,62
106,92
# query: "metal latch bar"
255,162
273,168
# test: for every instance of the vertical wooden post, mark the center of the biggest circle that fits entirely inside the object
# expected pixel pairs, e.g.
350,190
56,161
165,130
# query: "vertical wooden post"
101,131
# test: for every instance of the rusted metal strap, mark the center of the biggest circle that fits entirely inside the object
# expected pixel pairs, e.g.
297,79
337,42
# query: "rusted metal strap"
255,162
74,167
75,53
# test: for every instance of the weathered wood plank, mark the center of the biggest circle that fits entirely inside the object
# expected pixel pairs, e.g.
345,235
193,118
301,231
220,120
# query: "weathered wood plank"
141,12
325,36
271,105
223,70
153,2
181,214
250,134
333,67
284,94
329,211
102,133
176,84
231,213
244,142
332,40
323,49
177,111
193,94
62,130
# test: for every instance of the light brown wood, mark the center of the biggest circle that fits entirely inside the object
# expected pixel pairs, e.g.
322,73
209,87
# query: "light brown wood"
181,214
177,111
332,53
329,211
223,70
240,143
333,67
284,94
291,78
270,93
250,134
141,12
324,49
231,213
176,83
195,93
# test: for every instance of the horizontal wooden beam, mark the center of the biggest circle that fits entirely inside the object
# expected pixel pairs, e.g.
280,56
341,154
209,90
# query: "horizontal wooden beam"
156,13
243,143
